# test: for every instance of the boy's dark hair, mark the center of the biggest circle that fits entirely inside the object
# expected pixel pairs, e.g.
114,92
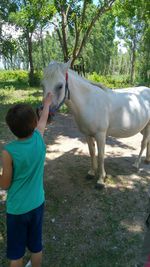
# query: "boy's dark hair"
21,120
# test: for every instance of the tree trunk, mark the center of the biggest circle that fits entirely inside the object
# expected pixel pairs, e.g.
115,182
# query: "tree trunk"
133,61
42,48
31,72
64,34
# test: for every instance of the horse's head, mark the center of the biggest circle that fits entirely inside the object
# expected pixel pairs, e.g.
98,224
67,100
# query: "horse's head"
54,81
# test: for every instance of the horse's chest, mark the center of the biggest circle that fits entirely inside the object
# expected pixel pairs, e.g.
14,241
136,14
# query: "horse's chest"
88,124
83,125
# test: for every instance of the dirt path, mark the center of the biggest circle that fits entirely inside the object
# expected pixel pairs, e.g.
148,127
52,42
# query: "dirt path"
85,223
84,227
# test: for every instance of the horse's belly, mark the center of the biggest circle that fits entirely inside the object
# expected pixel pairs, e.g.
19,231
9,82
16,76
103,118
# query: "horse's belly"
125,130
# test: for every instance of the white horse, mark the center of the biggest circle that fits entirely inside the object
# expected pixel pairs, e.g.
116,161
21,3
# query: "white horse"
100,112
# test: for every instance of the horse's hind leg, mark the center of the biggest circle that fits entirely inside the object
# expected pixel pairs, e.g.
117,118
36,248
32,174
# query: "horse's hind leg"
91,145
145,143
147,159
146,133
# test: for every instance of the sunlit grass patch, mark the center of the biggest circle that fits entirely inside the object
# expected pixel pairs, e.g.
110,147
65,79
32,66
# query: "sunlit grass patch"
10,95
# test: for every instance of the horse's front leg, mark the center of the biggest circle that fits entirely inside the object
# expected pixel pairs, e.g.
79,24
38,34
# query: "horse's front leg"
91,144
101,139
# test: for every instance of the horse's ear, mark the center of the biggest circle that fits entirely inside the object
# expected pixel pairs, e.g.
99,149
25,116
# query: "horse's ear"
67,65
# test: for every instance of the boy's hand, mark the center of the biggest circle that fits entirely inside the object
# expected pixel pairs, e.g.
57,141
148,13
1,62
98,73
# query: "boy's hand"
44,113
48,99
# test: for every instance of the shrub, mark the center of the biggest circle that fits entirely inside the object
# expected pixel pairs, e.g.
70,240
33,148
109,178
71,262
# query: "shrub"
14,75
114,81
35,80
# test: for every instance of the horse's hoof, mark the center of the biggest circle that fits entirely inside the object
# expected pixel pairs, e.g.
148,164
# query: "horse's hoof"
89,177
99,186
136,166
146,161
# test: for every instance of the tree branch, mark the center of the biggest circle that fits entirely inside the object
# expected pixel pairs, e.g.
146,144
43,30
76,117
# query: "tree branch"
83,12
100,11
64,33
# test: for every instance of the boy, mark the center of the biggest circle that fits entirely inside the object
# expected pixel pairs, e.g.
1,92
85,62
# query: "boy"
22,175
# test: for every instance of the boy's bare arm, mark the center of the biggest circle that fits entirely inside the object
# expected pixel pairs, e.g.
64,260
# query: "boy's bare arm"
6,177
44,115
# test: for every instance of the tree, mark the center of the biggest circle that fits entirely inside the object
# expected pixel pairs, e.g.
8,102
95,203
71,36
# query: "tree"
100,45
6,7
77,18
131,21
9,50
144,45
51,49
30,15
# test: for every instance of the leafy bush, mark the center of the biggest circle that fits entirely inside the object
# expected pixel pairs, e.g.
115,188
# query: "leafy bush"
19,76
14,75
35,80
64,109
114,81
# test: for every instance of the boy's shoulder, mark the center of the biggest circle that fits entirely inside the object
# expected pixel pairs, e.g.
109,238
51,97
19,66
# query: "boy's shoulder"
17,141
38,132
10,143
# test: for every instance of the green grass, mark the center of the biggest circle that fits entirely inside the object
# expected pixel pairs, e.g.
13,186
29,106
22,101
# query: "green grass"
12,93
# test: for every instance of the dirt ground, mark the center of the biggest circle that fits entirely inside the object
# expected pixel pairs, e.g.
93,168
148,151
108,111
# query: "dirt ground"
84,227
83,211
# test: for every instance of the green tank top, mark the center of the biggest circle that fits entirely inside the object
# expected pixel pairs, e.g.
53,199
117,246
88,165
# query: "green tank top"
26,191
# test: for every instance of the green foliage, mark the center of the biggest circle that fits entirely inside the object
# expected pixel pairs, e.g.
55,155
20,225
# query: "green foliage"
19,76
133,20
100,46
51,51
14,75
35,79
32,13
64,109
111,81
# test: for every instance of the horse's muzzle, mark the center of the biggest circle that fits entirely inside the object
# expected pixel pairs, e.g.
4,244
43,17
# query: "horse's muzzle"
50,115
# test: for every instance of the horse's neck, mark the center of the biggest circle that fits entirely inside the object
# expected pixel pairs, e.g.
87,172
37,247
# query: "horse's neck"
78,86
78,91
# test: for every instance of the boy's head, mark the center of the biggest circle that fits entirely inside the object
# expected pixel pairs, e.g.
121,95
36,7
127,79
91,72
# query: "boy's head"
21,120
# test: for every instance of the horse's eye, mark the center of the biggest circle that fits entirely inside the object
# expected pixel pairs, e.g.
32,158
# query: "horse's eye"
60,86
58,89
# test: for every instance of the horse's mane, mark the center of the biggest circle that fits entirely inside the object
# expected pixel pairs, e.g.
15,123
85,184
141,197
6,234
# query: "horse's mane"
98,84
